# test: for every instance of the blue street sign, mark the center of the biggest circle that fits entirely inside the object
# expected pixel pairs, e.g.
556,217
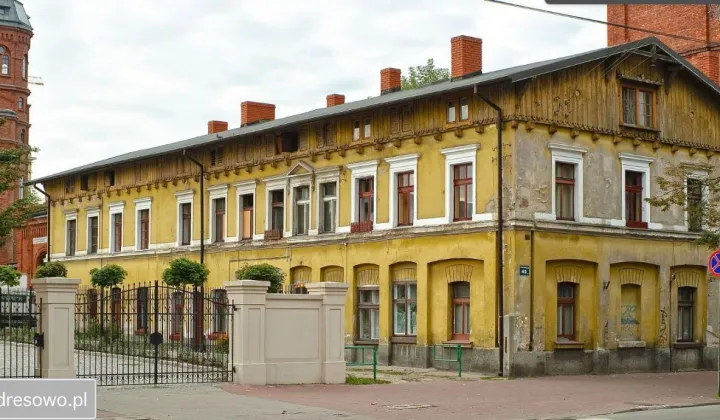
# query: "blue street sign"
524,270
714,263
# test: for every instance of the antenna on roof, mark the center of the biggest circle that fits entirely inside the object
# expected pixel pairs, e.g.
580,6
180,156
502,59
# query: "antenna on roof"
36,80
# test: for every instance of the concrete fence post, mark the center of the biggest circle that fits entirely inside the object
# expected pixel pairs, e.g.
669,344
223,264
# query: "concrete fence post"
332,329
248,332
57,324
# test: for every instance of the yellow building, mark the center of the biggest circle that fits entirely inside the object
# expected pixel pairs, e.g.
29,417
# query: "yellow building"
397,196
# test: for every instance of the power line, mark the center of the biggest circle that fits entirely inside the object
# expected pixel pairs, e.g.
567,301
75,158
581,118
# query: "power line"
602,22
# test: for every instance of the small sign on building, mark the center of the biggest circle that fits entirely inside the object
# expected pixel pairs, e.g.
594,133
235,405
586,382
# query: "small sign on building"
524,270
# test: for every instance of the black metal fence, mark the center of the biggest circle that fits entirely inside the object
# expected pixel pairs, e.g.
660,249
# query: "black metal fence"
153,334
19,319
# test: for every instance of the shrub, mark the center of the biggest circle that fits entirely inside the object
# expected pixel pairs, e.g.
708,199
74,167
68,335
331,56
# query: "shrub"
51,269
183,271
109,276
9,276
264,272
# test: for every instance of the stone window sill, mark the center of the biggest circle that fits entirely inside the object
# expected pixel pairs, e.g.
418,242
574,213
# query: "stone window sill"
569,345
632,344
404,339
688,345
453,343
366,342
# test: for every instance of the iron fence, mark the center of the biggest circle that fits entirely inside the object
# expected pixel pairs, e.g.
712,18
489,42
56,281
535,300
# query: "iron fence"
19,320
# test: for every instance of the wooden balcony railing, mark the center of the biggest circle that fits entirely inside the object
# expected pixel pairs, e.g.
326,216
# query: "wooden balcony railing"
361,227
273,234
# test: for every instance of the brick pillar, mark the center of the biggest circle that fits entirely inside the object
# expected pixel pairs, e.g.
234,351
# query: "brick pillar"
57,324
248,332
332,329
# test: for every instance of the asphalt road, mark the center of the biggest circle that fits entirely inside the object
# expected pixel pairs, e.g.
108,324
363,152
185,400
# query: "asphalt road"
708,412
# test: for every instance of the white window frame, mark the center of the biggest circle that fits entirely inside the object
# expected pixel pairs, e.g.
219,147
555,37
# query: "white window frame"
573,155
144,203
327,177
92,212
400,164
700,175
279,184
637,163
360,171
299,183
457,156
184,197
117,207
215,192
241,189
70,215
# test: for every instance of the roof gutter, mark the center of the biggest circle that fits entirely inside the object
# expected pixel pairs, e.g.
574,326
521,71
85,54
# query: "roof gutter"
499,277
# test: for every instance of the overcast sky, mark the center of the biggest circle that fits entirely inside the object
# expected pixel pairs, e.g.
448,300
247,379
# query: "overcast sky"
126,75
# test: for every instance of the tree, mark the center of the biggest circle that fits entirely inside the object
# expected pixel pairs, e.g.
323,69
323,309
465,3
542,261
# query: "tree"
9,276
424,75
183,271
51,269
679,188
13,164
108,276
263,272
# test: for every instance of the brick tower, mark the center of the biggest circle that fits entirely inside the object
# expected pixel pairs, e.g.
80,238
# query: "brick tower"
15,35
697,21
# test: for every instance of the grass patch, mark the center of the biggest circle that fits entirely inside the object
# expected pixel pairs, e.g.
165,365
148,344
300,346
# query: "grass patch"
355,380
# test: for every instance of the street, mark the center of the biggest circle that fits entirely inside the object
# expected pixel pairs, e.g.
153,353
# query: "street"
708,412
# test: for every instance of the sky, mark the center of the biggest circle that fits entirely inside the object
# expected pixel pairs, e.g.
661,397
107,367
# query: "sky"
126,75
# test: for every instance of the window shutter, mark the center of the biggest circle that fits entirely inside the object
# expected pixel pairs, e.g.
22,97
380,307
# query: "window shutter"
394,121
331,131
303,139
406,120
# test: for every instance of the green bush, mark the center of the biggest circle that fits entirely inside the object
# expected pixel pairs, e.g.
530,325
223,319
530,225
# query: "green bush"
264,272
183,271
109,276
9,276
51,269
93,330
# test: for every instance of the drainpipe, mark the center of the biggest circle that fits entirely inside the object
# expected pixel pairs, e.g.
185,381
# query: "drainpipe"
500,283
47,224
198,310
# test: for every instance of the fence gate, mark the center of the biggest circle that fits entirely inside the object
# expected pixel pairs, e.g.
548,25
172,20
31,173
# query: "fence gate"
153,334
19,320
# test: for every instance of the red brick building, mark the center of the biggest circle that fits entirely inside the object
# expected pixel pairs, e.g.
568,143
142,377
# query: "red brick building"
15,35
700,22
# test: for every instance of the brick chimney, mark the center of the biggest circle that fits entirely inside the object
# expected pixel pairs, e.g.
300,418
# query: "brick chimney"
466,56
217,126
335,99
255,112
389,80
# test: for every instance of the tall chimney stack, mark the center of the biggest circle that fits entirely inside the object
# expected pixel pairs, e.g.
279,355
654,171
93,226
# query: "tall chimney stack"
217,126
466,56
335,99
255,112
389,80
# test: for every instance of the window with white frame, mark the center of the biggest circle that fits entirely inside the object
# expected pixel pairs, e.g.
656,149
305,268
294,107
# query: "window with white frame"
403,195
184,217
567,179
362,192
142,223
301,210
70,232
116,226
218,213
460,182
636,190
246,209
327,183
93,230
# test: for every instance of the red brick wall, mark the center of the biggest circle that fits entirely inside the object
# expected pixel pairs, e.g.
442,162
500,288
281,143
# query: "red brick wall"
29,255
692,21
217,126
251,112
335,99
466,56
390,80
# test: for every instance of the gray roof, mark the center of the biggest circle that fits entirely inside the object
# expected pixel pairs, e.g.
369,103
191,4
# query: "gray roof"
14,15
512,74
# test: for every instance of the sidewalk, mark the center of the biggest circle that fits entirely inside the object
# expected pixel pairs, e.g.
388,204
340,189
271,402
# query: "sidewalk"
441,398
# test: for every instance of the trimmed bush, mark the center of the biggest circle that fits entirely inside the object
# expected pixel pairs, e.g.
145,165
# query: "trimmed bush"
51,269
109,276
264,272
183,271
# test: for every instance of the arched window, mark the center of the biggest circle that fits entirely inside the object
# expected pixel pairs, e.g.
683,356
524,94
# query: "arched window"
24,67
5,65
21,104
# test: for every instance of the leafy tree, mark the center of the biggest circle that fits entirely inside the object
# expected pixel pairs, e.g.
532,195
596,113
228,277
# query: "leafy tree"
108,276
9,276
263,272
676,186
51,269
183,271
424,75
13,164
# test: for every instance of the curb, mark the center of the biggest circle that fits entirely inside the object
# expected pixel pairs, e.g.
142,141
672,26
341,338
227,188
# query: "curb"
635,409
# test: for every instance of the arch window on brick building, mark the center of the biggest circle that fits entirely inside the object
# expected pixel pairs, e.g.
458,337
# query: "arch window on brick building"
21,104
24,67
5,68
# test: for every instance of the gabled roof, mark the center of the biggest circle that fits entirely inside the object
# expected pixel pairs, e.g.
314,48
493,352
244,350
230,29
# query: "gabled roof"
512,74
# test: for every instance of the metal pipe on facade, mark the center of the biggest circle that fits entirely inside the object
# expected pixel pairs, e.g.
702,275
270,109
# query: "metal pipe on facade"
500,281
47,224
202,205
198,297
